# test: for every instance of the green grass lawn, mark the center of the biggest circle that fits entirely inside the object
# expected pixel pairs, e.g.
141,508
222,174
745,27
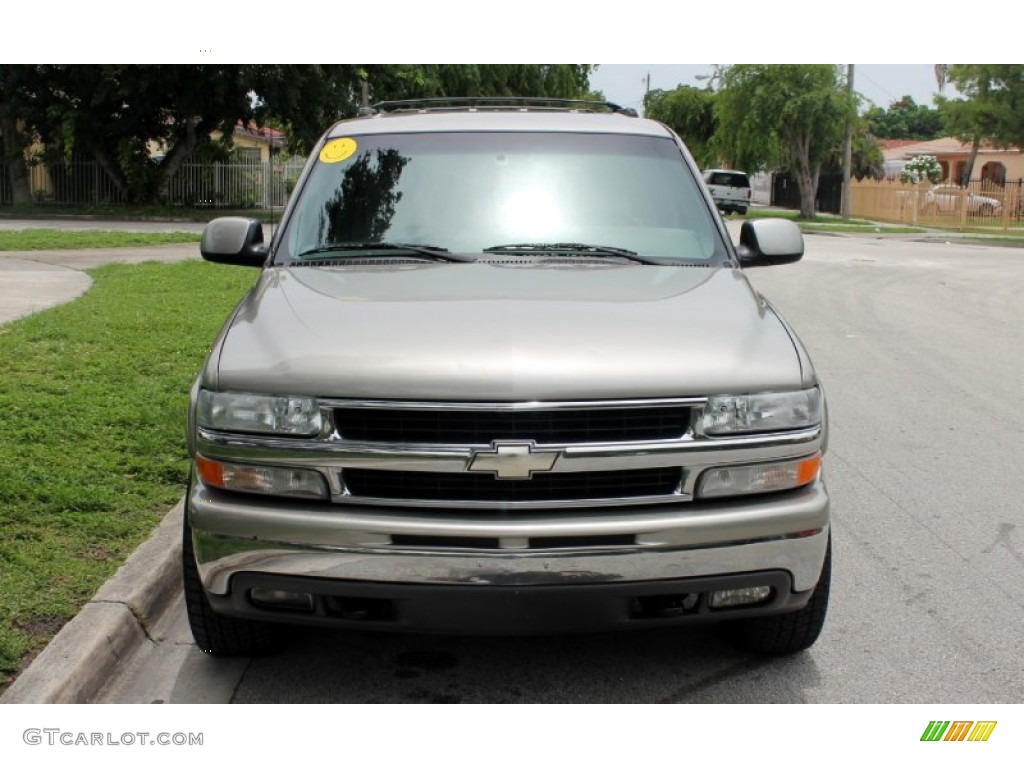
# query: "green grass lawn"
93,399
57,239
831,223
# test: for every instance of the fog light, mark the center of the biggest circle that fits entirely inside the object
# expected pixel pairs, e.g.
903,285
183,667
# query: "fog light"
280,598
730,598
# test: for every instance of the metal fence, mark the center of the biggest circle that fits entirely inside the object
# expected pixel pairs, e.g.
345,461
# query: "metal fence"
195,185
979,204
232,185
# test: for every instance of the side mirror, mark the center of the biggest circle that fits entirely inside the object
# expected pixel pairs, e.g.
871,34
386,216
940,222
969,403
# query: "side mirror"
766,242
234,240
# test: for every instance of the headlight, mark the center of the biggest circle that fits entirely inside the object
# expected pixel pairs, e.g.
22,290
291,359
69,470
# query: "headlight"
234,412
767,412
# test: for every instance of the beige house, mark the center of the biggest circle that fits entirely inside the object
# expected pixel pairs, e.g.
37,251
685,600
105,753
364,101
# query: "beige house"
258,144
251,143
994,166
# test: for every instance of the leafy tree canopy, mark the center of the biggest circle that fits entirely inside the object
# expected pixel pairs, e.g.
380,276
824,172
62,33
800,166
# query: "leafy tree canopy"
905,119
866,156
690,112
993,103
116,114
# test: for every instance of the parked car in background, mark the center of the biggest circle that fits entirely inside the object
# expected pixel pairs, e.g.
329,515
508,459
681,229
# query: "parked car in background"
729,189
945,199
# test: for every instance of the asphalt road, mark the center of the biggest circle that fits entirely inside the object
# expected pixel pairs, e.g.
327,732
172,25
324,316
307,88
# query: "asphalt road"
919,345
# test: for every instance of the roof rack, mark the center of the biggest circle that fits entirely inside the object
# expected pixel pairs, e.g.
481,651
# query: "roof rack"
494,103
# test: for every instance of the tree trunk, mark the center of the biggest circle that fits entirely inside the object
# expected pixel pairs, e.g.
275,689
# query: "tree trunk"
806,176
180,152
807,181
112,169
12,152
969,170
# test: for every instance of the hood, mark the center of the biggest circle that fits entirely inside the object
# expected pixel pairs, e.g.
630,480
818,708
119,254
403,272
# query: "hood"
504,332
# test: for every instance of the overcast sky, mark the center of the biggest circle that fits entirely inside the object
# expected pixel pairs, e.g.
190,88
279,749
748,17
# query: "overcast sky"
879,84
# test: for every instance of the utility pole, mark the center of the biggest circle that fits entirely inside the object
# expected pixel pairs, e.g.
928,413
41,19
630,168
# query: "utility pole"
848,147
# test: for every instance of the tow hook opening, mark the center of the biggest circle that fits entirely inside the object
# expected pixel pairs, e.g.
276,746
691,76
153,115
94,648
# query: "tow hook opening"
360,608
664,606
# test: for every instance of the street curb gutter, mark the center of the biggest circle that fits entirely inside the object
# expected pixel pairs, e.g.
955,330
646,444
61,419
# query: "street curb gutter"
85,654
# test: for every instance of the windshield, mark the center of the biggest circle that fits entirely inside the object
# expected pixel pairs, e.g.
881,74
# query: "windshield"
465,193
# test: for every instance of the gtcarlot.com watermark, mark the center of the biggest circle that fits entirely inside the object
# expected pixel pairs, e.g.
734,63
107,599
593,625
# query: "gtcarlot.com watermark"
56,737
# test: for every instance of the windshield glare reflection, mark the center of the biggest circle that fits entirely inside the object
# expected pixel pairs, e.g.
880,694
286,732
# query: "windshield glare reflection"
468,192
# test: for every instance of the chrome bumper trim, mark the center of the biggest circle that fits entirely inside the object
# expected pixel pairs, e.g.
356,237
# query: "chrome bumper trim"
233,535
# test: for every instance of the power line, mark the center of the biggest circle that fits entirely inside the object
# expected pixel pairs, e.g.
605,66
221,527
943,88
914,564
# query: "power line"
863,74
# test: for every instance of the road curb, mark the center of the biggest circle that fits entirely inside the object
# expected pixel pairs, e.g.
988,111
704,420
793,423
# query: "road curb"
111,627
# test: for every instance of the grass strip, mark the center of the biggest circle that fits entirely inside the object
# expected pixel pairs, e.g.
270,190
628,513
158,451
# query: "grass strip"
61,239
857,229
92,402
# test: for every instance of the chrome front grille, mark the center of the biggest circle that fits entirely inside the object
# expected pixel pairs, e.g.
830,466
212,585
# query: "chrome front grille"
546,487
567,426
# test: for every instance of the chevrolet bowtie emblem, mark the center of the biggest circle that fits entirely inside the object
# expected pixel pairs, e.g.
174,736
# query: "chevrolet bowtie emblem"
516,461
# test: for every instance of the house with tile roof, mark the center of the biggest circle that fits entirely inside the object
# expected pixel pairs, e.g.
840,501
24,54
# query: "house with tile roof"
994,165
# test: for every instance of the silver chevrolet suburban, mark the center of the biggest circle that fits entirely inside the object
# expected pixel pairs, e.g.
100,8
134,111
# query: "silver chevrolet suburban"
502,372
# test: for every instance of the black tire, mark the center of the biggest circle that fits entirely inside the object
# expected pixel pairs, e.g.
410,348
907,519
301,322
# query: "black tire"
785,632
741,211
214,633
987,210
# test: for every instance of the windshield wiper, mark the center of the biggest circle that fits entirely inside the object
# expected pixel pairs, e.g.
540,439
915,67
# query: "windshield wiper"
432,252
573,248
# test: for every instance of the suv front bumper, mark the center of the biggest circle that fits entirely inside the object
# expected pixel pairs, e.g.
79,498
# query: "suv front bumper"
350,554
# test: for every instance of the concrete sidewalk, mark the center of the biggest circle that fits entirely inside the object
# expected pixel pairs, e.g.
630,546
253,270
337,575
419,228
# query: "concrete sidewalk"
31,281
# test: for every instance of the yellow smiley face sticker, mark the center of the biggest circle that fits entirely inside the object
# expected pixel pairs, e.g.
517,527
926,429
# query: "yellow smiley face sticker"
336,150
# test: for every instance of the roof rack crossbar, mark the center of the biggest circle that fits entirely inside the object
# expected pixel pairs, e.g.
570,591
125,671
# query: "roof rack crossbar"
455,103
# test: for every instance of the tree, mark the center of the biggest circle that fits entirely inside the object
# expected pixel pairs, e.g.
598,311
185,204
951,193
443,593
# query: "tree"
789,116
992,110
117,114
690,112
306,99
19,111
905,119
866,156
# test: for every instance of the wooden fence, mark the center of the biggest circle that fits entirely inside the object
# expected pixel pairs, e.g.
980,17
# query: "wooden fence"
978,205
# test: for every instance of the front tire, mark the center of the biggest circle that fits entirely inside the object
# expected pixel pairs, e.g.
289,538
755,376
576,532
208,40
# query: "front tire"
214,633
785,633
